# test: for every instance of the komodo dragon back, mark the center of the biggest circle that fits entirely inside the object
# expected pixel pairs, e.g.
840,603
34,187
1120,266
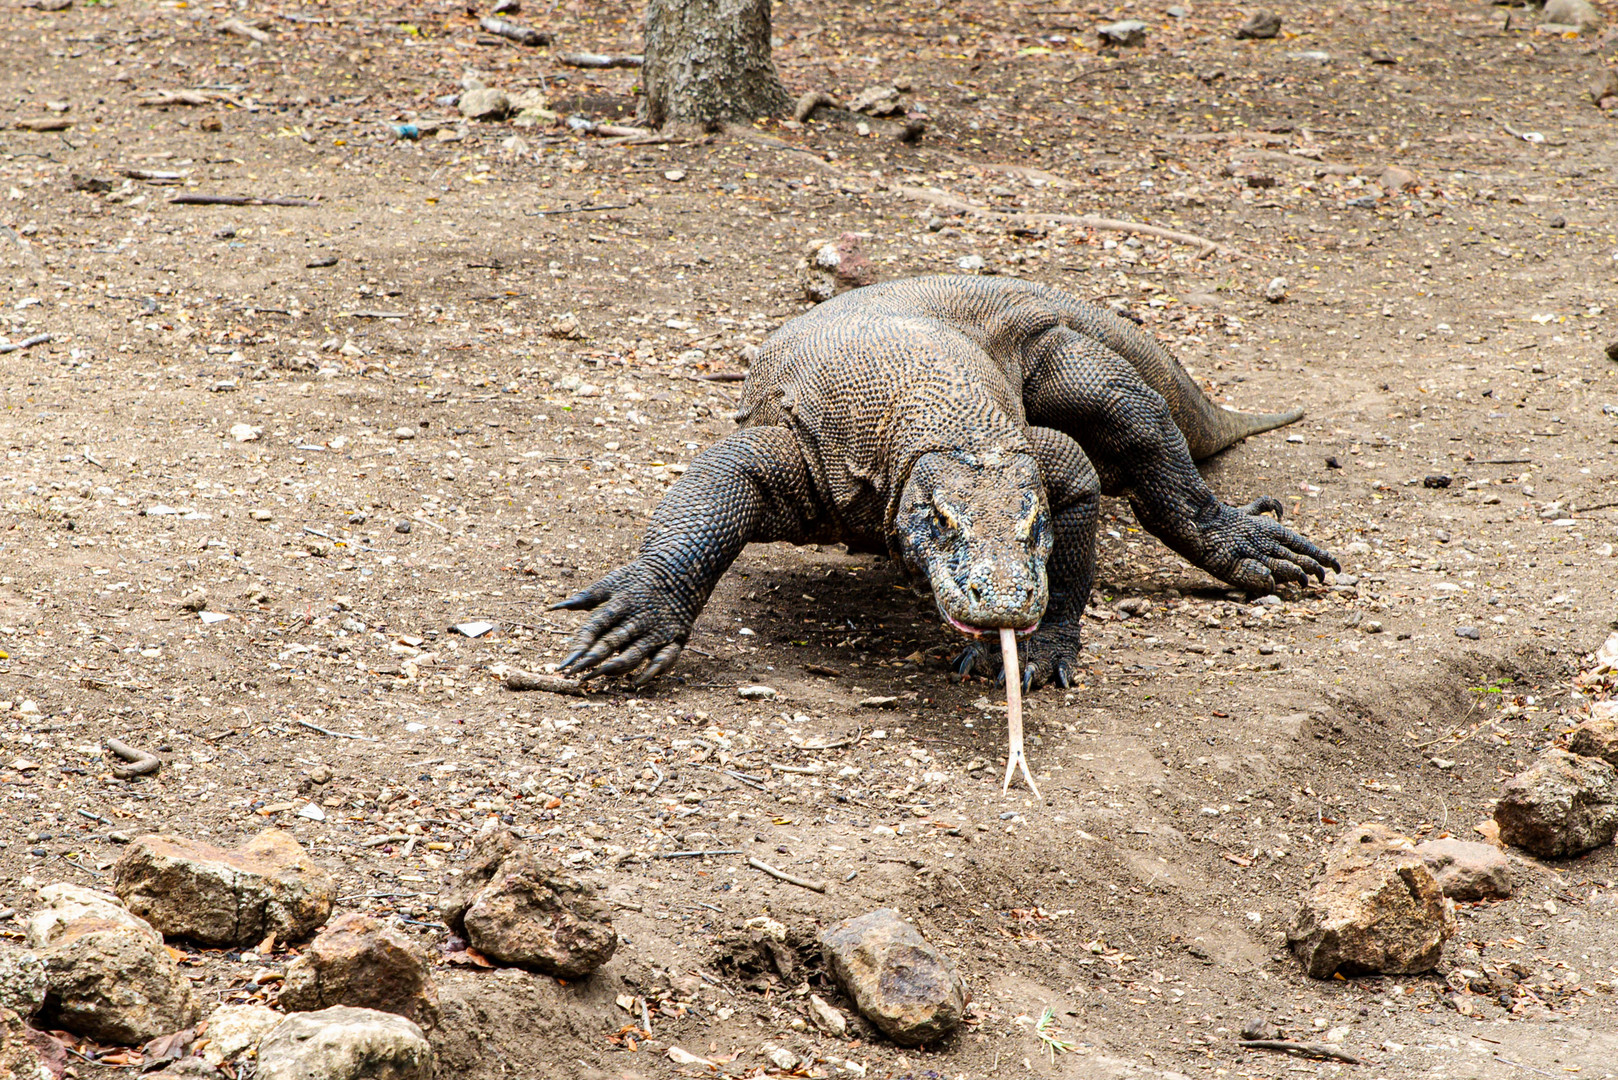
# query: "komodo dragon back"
1207,428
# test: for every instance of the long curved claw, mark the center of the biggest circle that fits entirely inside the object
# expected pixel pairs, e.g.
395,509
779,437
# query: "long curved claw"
1264,504
635,617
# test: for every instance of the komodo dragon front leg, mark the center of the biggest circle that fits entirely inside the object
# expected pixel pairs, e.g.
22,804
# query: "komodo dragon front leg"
751,486
1079,386
1051,653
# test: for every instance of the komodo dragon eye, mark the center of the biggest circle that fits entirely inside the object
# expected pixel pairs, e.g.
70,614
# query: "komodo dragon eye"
946,517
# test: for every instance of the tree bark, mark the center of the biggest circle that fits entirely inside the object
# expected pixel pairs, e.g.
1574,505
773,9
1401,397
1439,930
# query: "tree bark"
708,61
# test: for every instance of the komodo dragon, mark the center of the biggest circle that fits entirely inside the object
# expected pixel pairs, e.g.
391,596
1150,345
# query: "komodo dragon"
966,426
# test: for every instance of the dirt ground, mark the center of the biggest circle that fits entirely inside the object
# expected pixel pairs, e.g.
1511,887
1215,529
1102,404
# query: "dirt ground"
473,409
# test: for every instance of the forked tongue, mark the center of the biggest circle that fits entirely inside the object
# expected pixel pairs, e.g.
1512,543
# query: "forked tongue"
1015,758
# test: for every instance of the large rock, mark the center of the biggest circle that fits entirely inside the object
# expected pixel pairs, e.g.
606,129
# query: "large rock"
362,961
485,103
514,906
22,981
1579,13
1466,870
1125,32
1375,908
345,1043
189,889
66,904
1597,737
1560,806
18,1058
232,1030
903,985
114,982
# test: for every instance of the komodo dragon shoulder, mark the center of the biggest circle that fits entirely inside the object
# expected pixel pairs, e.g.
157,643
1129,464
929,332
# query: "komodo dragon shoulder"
967,426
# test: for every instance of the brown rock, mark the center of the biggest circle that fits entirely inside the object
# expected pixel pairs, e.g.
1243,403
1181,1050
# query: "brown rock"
1560,806
1394,178
514,906
361,961
899,982
114,983
1375,908
830,267
1597,737
1466,870
1603,83
1260,26
18,1058
189,889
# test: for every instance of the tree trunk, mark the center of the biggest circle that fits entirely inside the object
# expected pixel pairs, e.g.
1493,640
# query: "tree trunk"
708,61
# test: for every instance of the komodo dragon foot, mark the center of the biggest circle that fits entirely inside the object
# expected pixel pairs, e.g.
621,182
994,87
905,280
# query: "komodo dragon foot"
1256,553
1049,654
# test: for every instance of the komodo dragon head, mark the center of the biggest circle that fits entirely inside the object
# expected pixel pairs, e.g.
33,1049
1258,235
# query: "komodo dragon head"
977,527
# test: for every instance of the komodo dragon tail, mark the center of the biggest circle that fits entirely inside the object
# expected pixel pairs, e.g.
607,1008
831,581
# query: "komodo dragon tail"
1207,428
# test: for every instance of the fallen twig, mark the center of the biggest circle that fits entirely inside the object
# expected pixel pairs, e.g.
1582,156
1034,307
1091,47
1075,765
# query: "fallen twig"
838,745
176,97
551,684
25,343
522,35
142,762
782,875
242,28
696,854
577,210
600,60
334,734
1314,1050
196,199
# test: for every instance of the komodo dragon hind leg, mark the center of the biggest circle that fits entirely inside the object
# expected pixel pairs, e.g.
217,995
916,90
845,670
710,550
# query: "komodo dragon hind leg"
1051,653
750,486
1077,385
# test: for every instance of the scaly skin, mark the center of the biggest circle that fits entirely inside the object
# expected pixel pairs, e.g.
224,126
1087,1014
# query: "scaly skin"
967,425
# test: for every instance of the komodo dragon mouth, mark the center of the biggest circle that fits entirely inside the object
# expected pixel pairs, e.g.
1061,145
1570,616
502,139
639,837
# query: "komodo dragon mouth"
976,527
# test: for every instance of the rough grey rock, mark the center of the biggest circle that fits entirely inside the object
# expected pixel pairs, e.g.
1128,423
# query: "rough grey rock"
66,904
1260,26
1578,13
1466,870
1125,32
827,1017
217,896
114,982
1597,737
1560,806
877,101
22,981
345,1043
514,906
485,103
1374,908
18,1058
232,1030
362,961
899,982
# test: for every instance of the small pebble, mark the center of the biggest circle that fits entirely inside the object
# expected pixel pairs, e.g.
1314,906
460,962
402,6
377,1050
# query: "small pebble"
401,527
1470,632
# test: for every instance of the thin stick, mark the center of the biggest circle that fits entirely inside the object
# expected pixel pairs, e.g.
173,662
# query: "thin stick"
600,60
552,684
25,343
1015,758
197,199
698,854
1314,1050
577,210
334,734
782,875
